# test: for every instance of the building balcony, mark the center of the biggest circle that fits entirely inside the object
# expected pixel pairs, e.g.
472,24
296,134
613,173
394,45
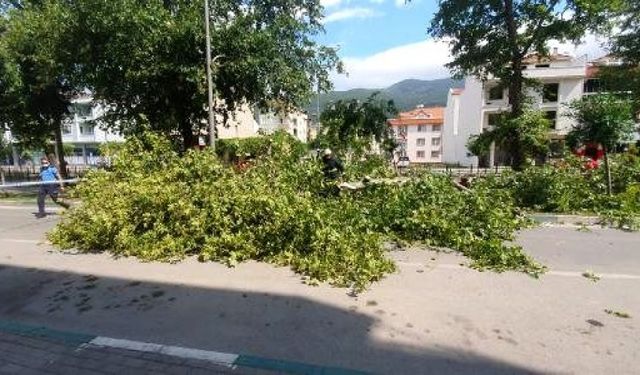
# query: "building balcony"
75,137
575,71
495,104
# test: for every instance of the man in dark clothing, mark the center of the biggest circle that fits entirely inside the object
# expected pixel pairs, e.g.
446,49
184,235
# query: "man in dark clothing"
332,168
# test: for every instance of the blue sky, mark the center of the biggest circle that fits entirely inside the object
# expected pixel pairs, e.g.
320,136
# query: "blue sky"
364,27
382,42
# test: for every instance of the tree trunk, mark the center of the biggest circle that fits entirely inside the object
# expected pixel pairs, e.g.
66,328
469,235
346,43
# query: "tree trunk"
60,150
607,168
515,85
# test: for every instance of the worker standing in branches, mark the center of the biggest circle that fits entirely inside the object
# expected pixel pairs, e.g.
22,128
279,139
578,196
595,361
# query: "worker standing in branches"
332,167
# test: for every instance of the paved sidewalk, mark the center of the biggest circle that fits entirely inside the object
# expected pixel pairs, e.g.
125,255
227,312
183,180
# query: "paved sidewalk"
34,349
62,353
27,355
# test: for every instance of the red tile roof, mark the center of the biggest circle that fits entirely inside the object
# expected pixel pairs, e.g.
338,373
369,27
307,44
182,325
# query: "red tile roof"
536,58
592,71
420,116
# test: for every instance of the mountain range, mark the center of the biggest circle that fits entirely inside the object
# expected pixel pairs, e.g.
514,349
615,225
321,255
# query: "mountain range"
405,94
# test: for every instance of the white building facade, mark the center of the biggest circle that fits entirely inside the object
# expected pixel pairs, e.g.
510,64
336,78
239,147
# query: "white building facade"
418,134
246,122
80,130
473,110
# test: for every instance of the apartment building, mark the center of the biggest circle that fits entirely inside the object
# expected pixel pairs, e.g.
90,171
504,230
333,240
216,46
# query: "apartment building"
248,122
474,109
294,123
80,130
419,134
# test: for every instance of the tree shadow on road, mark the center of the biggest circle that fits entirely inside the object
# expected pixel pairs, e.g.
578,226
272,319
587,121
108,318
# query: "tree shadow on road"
262,324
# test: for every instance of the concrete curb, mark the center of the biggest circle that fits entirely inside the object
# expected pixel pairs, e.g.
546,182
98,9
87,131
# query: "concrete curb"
230,360
558,219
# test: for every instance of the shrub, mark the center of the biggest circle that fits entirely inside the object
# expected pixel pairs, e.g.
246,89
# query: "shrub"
569,188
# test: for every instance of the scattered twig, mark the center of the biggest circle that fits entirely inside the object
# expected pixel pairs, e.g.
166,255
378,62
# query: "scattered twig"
591,276
618,314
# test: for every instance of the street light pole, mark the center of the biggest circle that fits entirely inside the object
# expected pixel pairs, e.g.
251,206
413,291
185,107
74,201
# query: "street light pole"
212,119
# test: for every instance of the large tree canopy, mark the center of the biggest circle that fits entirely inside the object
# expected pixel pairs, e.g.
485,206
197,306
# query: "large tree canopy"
491,38
351,126
146,58
626,43
35,62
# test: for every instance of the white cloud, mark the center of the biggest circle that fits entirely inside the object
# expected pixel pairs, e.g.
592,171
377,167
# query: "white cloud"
349,13
591,46
423,60
330,3
377,1
426,60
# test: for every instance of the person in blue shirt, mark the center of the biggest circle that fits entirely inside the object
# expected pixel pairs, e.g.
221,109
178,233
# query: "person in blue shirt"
49,174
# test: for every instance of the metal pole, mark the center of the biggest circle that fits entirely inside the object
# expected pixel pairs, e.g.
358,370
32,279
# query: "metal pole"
212,120
318,108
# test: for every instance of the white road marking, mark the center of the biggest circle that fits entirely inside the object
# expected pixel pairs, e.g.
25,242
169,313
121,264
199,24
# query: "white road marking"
619,276
225,359
615,276
30,207
37,242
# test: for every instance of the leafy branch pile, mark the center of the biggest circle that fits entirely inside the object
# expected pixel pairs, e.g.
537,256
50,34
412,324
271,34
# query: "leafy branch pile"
569,188
158,205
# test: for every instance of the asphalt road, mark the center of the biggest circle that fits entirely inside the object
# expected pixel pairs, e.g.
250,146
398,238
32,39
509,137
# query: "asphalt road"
433,316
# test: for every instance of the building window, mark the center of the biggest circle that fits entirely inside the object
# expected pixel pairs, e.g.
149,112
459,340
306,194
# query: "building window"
420,142
496,93
435,154
550,93
591,85
83,110
436,128
435,142
66,129
551,116
422,128
542,65
86,129
295,132
493,119
401,132
420,154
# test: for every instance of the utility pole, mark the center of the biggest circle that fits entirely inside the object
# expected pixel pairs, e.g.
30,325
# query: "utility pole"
212,119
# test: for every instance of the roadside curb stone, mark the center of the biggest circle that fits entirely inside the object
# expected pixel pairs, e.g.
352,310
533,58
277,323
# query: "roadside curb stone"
559,219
